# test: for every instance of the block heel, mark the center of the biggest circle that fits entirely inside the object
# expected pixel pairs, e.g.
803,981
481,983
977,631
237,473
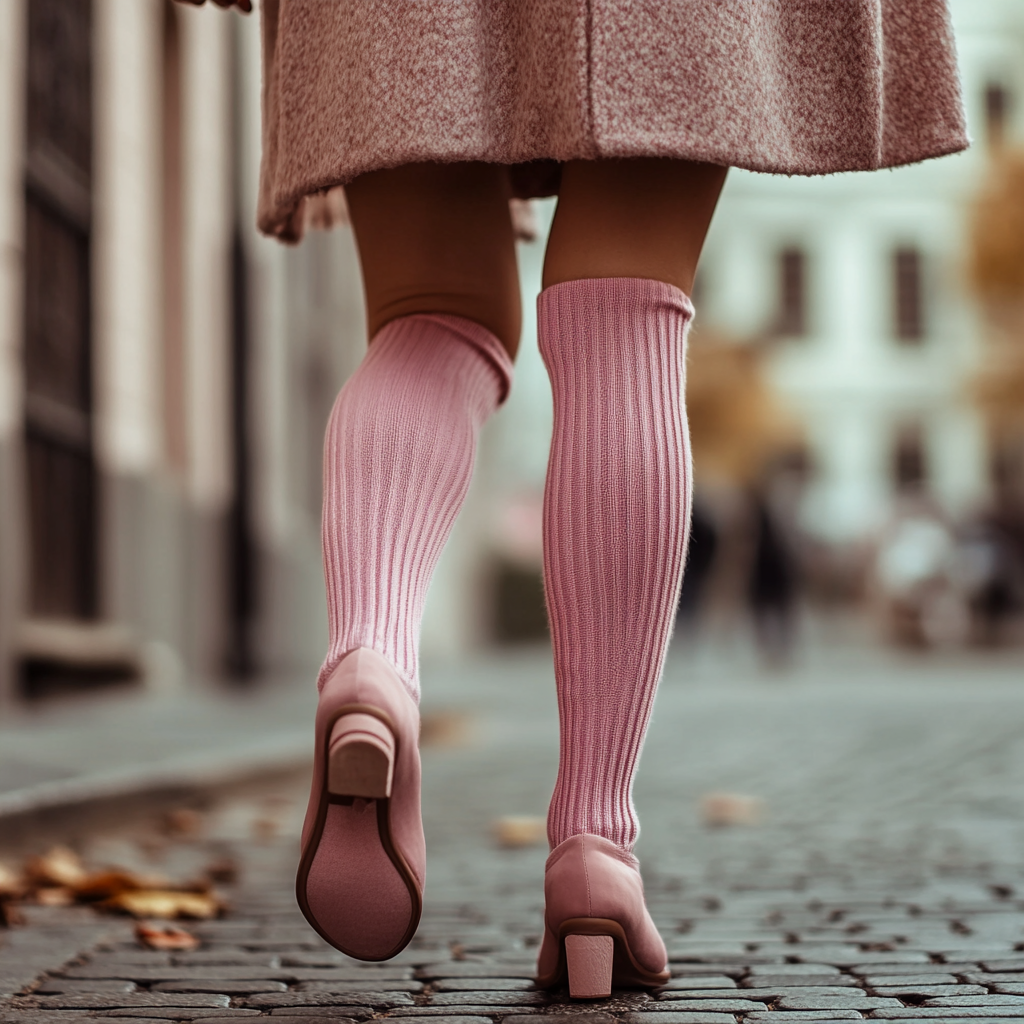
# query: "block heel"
588,962
598,934
361,758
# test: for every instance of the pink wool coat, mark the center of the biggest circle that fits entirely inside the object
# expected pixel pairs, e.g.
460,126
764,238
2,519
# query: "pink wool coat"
783,86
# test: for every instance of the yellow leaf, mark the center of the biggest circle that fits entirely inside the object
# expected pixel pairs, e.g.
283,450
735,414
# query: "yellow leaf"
730,809
164,903
520,830
59,867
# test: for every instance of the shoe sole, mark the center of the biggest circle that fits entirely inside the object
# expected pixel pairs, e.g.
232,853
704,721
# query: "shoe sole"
594,957
363,866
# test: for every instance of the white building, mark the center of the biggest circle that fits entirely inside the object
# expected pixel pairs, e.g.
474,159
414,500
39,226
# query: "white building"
863,278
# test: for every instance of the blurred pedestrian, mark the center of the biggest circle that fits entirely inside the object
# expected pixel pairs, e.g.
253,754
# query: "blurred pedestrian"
433,115
915,578
990,571
772,588
700,559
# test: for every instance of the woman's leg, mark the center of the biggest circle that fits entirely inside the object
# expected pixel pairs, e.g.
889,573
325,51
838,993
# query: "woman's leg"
443,303
612,325
632,218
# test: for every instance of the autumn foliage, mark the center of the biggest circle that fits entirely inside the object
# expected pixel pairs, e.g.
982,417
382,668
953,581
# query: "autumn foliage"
997,276
737,425
997,258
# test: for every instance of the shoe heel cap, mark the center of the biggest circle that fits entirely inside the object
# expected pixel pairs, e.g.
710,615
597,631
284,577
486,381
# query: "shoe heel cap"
589,959
361,758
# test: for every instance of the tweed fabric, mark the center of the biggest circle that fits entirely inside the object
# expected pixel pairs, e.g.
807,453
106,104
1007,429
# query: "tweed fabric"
794,87
398,456
616,518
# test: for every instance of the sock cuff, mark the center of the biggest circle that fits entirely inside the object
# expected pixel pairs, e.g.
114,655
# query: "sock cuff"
478,337
601,296
613,327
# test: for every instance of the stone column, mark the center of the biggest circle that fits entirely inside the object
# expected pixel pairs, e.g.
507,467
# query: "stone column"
128,310
126,248
208,219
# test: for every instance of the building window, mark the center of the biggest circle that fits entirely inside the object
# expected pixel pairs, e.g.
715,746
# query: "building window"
908,305
909,464
792,270
59,463
997,114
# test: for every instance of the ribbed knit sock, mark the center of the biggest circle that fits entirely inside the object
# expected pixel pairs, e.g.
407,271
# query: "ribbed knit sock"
616,518
398,458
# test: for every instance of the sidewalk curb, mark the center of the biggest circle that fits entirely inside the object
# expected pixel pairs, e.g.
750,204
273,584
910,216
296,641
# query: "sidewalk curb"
196,771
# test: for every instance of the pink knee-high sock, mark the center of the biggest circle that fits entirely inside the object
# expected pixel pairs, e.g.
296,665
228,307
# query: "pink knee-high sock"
398,457
616,519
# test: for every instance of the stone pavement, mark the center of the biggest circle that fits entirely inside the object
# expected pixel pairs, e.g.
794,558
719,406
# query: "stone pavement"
885,879
113,744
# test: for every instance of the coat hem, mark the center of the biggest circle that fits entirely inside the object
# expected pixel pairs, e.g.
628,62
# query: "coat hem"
282,218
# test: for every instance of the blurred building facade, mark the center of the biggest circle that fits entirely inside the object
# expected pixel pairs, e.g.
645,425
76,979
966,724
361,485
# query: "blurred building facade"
859,281
164,372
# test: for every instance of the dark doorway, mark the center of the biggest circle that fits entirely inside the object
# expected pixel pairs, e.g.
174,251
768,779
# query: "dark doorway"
58,365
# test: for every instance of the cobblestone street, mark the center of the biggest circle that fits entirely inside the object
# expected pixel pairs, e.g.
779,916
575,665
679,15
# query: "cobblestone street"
880,876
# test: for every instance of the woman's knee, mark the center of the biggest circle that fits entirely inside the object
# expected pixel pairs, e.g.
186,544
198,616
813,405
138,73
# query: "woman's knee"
437,238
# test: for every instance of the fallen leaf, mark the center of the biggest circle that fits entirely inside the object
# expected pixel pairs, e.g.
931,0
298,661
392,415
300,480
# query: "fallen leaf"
104,884
165,936
446,729
55,896
515,831
731,809
165,903
59,867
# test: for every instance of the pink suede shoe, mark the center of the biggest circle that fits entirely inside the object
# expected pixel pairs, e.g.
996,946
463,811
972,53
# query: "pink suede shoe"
360,879
596,925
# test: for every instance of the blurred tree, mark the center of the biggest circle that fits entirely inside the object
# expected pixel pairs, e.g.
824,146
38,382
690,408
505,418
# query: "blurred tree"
737,425
997,276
